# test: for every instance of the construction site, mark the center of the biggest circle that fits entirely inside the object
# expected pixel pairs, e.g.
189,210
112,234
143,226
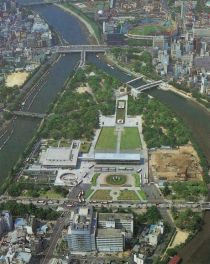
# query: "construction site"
180,164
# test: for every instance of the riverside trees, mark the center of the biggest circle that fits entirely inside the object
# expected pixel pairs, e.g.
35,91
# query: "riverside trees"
160,126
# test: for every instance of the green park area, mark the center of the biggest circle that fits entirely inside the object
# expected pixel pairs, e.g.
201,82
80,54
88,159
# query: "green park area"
147,30
115,179
101,195
94,179
128,195
107,139
130,139
85,147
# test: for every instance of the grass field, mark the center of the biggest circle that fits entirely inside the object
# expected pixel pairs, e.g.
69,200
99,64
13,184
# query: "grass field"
137,179
85,147
107,139
146,30
128,195
101,195
50,195
116,179
94,179
88,193
143,195
130,139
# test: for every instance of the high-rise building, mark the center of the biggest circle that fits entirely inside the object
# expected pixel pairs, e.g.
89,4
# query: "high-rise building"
117,221
110,240
108,234
6,223
82,229
8,220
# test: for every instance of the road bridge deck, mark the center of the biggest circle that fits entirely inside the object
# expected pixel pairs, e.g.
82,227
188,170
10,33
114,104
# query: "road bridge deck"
29,114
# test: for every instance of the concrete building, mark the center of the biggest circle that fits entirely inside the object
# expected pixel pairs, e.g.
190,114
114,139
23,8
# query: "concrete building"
155,231
119,158
6,223
116,221
139,258
64,157
82,230
36,171
85,234
110,240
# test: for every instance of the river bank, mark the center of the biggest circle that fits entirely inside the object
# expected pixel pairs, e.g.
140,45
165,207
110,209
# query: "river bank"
109,59
81,19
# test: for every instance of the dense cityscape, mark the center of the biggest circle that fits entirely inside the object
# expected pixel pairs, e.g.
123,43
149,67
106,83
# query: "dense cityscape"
104,131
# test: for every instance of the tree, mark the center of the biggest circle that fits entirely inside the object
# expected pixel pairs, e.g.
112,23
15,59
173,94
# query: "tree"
166,190
152,215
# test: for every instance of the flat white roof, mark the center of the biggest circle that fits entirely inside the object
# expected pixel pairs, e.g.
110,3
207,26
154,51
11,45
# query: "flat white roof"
60,157
118,156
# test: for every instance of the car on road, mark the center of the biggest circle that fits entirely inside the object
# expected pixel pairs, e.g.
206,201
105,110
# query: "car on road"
41,202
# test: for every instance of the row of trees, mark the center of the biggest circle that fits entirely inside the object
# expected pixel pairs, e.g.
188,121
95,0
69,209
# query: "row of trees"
22,210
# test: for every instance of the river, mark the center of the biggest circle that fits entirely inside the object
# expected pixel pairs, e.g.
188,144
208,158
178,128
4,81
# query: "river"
197,119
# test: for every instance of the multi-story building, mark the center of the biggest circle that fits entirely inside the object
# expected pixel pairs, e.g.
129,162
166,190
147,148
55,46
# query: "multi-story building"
110,240
108,235
6,223
82,229
116,221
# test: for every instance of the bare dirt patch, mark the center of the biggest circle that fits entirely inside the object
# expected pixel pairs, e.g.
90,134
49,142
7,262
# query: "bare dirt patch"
84,89
176,164
180,238
16,78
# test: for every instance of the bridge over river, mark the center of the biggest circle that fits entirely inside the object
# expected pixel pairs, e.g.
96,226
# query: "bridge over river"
37,2
83,49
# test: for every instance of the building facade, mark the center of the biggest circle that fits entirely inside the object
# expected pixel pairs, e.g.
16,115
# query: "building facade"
81,232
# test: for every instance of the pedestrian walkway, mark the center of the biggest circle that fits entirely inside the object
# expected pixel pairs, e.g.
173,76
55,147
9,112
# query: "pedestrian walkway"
118,139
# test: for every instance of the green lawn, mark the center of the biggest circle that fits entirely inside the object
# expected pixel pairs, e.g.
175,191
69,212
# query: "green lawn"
50,195
107,139
84,147
137,179
146,30
128,195
101,195
88,193
143,195
130,139
116,179
94,179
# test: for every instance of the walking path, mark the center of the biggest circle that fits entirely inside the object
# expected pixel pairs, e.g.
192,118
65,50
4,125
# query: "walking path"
118,130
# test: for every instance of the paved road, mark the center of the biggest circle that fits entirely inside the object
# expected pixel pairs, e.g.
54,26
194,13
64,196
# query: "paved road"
57,231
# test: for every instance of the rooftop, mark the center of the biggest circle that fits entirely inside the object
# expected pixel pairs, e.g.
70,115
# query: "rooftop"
82,219
113,216
118,156
64,156
109,232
